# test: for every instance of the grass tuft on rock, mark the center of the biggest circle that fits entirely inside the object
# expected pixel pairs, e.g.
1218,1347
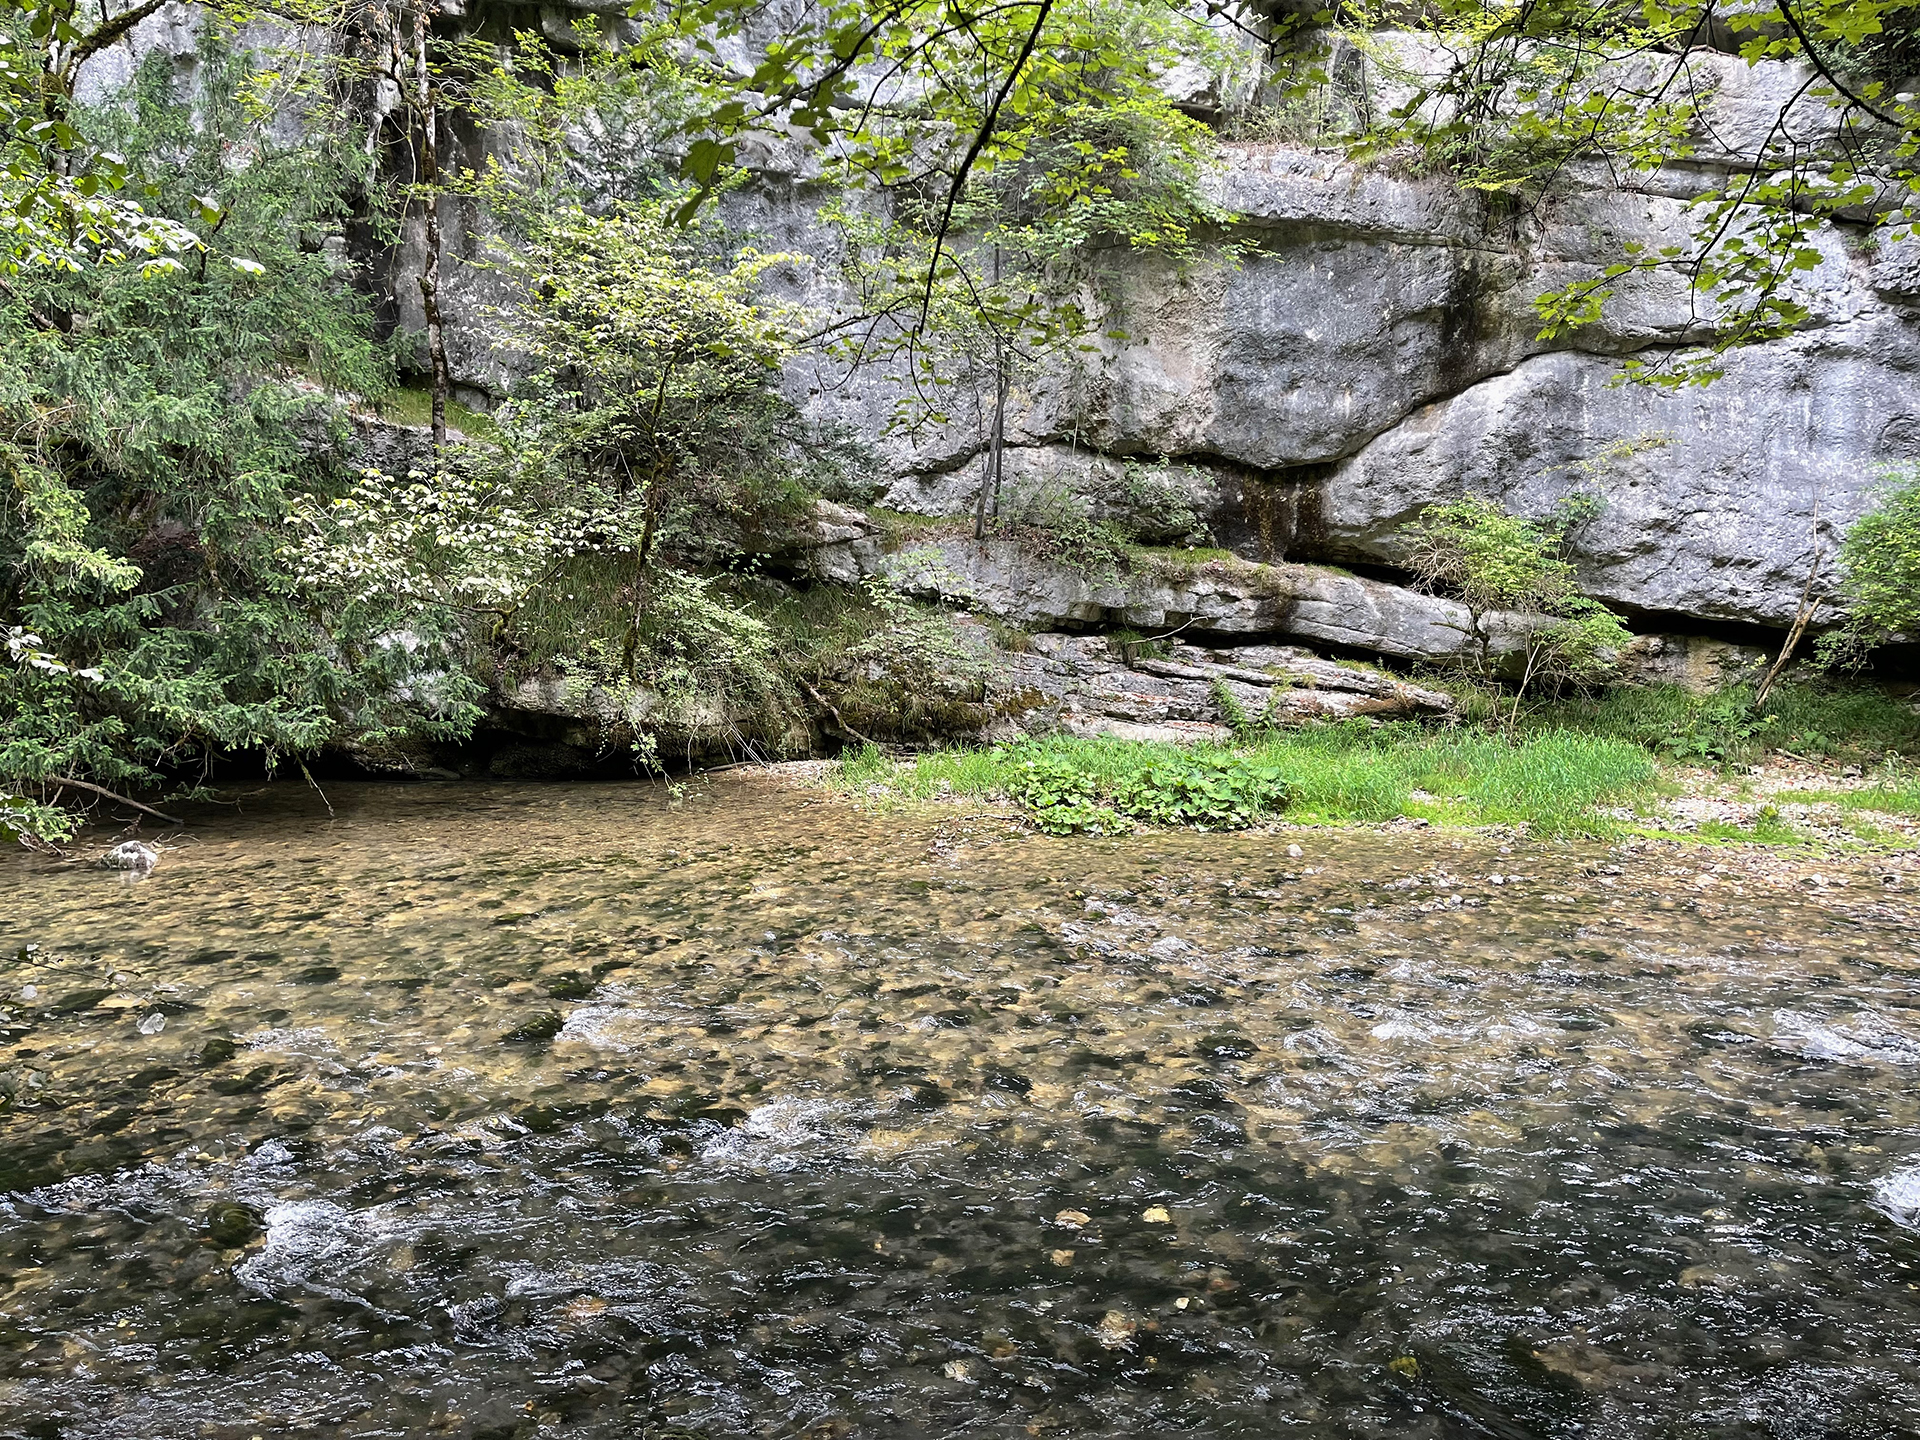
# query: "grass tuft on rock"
413,405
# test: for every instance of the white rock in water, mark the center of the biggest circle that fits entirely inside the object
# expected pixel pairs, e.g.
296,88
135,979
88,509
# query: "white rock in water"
1899,1195
131,855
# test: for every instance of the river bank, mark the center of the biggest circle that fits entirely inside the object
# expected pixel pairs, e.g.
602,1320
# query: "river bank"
1548,785
1366,778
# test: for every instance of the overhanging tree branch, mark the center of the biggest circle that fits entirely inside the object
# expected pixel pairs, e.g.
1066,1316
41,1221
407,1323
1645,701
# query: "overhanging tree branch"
92,43
979,144
1819,63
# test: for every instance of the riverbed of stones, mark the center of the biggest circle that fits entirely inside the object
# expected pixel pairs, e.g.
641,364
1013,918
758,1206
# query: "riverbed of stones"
1794,792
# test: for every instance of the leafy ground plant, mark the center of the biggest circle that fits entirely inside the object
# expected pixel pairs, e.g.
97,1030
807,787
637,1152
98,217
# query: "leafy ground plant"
1070,790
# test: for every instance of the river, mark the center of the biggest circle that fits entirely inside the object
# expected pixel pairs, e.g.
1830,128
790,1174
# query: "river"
614,1111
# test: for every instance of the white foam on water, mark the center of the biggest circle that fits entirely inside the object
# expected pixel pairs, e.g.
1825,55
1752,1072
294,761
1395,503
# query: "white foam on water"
260,1177
1899,1195
783,1134
616,1021
1517,1027
310,1043
1866,1037
154,1183
614,1280
1315,1040
309,1245
609,1027
1400,1030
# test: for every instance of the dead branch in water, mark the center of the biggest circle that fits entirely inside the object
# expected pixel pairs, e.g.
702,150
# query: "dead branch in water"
107,794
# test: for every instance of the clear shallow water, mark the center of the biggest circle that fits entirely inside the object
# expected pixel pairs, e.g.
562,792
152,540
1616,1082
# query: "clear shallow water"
549,1111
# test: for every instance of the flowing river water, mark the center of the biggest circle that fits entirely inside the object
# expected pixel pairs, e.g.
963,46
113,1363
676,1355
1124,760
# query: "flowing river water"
516,1111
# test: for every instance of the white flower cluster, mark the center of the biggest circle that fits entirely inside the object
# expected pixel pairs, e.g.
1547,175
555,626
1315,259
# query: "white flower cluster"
62,224
23,648
448,538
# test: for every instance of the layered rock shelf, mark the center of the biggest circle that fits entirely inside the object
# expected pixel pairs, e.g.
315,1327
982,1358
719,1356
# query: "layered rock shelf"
1013,580
1086,684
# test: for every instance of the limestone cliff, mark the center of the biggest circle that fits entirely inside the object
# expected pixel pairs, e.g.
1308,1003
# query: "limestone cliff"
1373,349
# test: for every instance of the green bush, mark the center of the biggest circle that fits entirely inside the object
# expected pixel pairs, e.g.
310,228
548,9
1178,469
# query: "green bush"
1491,560
155,439
1880,572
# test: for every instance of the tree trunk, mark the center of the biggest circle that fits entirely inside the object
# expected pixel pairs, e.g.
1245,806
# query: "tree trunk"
1802,618
996,445
642,554
1526,678
997,433
427,177
997,454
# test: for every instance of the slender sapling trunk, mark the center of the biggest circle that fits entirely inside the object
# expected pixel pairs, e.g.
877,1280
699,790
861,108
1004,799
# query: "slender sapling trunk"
997,434
997,457
428,176
1802,618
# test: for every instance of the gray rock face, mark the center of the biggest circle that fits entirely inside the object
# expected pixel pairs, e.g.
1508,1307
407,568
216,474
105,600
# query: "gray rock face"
1894,268
1214,597
1376,350
1693,662
1373,349
1713,499
392,448
1162,591
1278,186
1085,684
1297,355
1082,684
839,544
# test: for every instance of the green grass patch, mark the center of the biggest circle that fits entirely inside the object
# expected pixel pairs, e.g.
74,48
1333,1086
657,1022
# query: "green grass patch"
411,405
1768,828
1895,797
1868,833
902,528
862,766
1184,557
1813,720
1557,783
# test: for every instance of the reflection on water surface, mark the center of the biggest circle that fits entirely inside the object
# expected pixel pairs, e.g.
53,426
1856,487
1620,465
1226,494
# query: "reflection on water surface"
516,1111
